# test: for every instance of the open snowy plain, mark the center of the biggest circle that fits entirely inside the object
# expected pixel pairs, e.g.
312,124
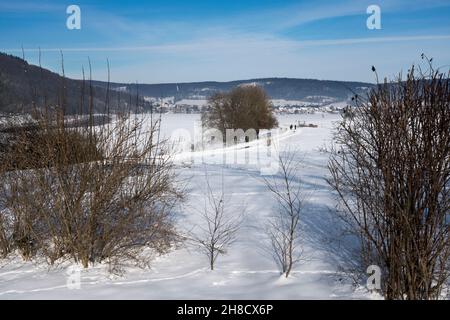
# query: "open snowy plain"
247,271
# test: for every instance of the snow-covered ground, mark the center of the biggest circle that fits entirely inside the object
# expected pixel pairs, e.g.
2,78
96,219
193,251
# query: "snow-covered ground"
247,271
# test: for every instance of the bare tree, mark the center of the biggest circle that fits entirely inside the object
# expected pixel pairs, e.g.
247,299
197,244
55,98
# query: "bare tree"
391,171
283,228
219,225
242,108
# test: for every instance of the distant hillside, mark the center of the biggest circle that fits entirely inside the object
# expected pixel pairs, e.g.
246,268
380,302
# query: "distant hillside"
314,91
23,84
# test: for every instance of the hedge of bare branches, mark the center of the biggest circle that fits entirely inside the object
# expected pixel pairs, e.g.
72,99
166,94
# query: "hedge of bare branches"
392,173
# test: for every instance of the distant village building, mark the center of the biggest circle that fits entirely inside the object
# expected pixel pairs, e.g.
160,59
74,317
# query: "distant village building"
190,106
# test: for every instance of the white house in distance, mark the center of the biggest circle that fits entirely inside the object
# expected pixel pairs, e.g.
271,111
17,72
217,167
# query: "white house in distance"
190,106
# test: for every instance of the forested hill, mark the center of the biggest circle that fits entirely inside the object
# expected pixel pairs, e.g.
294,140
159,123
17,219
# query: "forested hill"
277,88
21,84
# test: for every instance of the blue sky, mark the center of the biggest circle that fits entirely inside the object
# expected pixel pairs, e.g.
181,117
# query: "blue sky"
179,41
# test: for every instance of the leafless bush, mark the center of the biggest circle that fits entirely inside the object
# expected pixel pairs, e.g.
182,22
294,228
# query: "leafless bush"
219,225
243,108
70,188
283,228
93,194
391,173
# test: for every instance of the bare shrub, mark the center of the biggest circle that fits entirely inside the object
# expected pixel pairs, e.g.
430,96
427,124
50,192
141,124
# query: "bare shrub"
219,225
283,227
92,194
391,172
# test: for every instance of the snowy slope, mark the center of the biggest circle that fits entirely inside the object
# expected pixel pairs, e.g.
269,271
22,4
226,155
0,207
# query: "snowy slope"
247,271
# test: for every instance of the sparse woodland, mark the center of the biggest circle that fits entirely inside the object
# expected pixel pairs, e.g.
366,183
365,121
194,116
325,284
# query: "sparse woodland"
283,227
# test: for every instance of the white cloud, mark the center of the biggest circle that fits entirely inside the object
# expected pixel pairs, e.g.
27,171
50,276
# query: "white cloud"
238,44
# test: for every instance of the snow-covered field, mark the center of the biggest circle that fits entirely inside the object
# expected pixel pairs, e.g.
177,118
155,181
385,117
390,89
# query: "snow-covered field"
247,271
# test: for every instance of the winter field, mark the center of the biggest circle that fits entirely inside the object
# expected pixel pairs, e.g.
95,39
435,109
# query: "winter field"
247,271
